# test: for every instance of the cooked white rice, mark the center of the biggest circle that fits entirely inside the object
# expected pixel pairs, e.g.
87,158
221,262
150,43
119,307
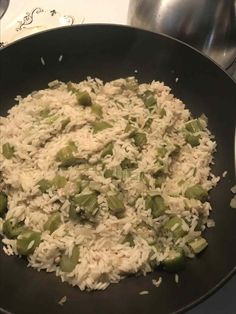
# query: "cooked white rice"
104,255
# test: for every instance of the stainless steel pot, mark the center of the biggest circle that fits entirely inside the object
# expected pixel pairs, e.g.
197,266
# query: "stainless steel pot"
208,25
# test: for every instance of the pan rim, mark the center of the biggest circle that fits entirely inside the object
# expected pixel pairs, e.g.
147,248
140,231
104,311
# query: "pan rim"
226,278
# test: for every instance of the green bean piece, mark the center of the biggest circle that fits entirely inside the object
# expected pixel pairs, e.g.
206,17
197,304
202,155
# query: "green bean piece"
159,180
162,151
64,123
140,139
156,204
59,182
78,187
198,245
174,151
99,126
174,225
72,211
53,222
3,204
45,113
126,173
51,119
27,242
149,100
65,153
87,203
116,205
175,261
71,88
131,84
194,126
83,99
197,192
66,156
84,184
97,110
117,173
193,140
128,164
162,113
143,178
8,150
130,129
11,229
148,123
73,161
159,172
68,263
44,185
129,239
108,150
108,173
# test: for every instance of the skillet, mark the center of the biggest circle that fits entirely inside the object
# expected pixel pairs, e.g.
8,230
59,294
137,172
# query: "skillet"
109,52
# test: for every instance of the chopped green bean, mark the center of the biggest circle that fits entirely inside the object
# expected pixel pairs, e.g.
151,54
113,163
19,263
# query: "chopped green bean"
68,263
156,204
149,100
148,123
159,180
194,126
83,99
129,239
193,140
8,150
44,185
51,119
115,205
197,192
128,164
108,150
65,153
144,178
198,245
162,151
175,226
97,110
72,211
27,242
45,113
118,173
78,187
64,123
53,222
66,156
99,126
140,139
71,88
108,173
3,204
88,205
11,229
130,129
162,113
175,261
59,182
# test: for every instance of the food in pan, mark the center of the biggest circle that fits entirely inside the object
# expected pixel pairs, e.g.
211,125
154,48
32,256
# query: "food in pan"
101,180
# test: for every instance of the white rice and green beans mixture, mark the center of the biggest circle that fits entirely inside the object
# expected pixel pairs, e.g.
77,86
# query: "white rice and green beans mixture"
99,181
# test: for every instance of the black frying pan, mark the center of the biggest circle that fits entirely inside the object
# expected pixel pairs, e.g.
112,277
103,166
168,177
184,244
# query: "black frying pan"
111,52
